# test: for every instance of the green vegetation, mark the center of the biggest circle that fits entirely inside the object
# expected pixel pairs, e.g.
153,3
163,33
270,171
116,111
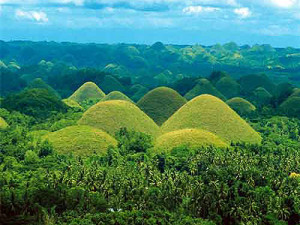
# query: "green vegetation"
191,138
205,165
295,93
241,106
115,95
137,92
203,86
88,91
3,124
110,84
81,141
261,96
73,104
40,84
38,103
228,87
291,106
161,103
212,114
250,82
111,116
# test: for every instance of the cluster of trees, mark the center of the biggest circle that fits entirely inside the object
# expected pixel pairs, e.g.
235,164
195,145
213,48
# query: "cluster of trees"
131,184
160,63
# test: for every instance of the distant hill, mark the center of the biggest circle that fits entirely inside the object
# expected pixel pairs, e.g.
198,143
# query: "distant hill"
161,103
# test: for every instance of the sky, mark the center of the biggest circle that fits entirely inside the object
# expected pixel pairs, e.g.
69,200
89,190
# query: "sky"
206,22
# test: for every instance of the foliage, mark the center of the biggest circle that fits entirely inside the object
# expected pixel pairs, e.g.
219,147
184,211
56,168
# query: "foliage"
40,84
161,103
110,116
3,124
212,114
73,104
38,103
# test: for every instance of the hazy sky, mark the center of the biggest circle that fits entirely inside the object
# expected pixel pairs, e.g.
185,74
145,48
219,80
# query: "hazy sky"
276,22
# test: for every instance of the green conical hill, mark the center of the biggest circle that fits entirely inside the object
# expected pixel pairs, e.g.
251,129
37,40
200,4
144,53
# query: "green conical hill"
161,103
111,116
212,114
80,140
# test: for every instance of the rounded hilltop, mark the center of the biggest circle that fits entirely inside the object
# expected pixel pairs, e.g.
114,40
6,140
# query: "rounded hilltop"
212,114
241,106
203,86
87,91
115,95
110,84
113,115
81,140
193,138
161,103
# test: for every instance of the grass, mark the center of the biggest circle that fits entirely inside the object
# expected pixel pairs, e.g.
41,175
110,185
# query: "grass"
3,124
110,116
80,140
71,103
192,138
212,114
116,95
110,84
228,87
161,103
203,87
241,106
87,91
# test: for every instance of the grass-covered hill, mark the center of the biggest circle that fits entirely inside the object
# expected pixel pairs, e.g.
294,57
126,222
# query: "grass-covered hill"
291,106
81,140
111,116
261,96
3,123
110,84
40,84
228,87
88,90
203,86
212,114
250,82
137,91
73,104
161,103
241,106
192,138
115,95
